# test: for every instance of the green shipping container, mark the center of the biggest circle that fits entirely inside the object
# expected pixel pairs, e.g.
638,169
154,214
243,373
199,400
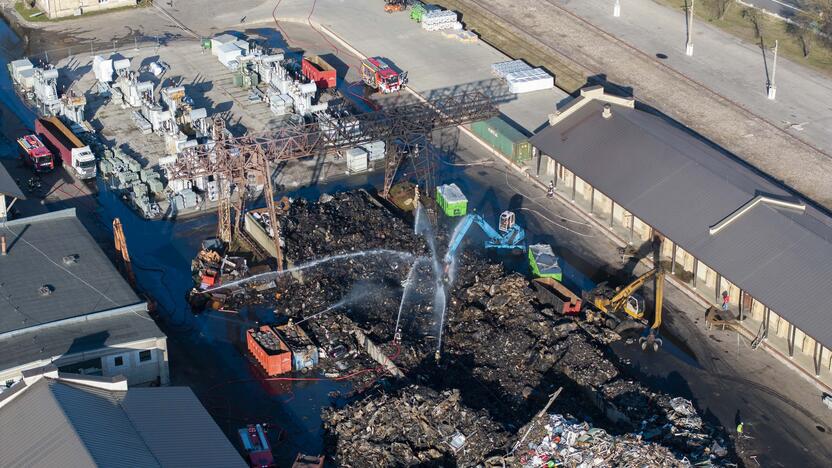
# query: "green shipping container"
544,263
504,138
452,201
416,12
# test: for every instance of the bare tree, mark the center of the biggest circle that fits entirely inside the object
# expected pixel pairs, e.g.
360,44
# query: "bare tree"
721,7
753,16
812,24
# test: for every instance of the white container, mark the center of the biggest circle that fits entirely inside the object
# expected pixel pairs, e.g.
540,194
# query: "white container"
221,40
375,150
103,69
19,66
356,160
228,53
121,66
27,79
531,80
242,45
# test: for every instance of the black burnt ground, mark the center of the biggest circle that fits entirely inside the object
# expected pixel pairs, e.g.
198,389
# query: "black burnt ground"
503,352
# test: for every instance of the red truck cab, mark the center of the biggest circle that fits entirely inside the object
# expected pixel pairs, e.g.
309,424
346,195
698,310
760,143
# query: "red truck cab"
378,74
35,154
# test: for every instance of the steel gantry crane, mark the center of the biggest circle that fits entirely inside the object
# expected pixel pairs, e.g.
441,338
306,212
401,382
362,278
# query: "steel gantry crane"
240,162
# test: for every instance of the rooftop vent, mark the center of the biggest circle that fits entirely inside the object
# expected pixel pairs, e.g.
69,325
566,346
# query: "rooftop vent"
607,112
70,260
46,290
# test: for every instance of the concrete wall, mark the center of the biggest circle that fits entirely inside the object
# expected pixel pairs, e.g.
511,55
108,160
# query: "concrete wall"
139,368
63,8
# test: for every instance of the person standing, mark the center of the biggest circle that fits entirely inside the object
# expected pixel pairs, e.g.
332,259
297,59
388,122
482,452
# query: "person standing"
726,301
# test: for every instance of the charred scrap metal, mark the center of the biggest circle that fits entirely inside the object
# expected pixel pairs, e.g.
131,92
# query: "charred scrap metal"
503,354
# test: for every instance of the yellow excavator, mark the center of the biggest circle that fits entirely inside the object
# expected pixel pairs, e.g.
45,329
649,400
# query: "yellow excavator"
614,303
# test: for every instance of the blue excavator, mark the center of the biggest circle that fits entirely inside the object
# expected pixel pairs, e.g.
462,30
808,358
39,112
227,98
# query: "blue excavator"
508,235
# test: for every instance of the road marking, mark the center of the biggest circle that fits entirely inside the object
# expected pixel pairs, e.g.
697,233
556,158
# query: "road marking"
787,5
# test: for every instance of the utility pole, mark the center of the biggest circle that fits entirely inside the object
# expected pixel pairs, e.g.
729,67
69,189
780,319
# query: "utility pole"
772,87
616,10
689,41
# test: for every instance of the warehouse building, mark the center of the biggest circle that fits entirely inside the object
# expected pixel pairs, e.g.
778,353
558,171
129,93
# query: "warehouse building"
63,8
64,303
726,227
55,419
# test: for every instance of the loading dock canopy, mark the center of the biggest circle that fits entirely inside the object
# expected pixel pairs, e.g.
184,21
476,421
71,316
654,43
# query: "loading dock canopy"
778,251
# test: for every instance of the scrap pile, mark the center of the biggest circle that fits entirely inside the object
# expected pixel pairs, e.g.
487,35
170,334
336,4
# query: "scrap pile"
563,441
341,223
212,266
521,351
413,426
503,352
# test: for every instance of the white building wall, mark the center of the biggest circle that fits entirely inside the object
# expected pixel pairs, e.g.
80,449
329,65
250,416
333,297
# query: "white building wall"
137,370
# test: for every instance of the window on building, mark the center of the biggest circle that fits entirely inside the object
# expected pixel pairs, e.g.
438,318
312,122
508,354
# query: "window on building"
145,355
118,361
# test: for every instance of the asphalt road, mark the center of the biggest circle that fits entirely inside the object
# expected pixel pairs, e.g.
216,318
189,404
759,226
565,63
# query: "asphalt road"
735,69
785,8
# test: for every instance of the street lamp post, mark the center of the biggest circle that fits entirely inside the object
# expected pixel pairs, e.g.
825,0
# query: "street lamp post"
772,87
689,41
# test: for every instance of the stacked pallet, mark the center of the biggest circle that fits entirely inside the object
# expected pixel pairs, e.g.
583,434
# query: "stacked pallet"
526,81
438,20
501,69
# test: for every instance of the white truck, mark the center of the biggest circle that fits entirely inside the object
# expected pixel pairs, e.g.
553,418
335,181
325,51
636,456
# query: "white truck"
77,157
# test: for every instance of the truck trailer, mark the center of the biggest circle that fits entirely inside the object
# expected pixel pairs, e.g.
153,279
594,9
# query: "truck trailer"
35,154
76,156
317,70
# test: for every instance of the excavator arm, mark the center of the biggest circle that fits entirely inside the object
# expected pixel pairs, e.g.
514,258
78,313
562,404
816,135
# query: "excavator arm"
458,235
513,238
619,300
652,340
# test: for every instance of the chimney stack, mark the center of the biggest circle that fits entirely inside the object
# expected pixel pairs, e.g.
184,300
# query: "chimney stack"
607,112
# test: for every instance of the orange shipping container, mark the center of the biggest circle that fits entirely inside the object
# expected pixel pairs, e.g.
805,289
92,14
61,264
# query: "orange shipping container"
269,350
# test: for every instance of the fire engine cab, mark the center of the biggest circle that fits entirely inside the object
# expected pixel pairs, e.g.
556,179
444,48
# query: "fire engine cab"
35,154
377,74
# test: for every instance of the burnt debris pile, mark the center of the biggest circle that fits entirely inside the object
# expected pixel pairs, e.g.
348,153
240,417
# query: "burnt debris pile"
416,426
356,271
341,223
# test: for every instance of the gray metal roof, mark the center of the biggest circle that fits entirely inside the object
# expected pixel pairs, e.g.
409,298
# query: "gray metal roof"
55,423
8,186
682,185
37,246
69,337
178,430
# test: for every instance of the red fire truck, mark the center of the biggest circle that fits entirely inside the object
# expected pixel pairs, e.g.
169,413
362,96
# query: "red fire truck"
35,154
377,74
